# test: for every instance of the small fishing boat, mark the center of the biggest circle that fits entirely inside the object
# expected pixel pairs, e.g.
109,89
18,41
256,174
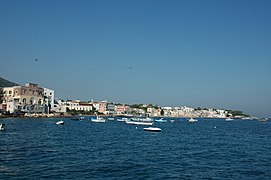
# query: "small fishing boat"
61,122
152,129
192,120
98,119
229,119
160,120
139,123
263,119
78,118
2,127
122,119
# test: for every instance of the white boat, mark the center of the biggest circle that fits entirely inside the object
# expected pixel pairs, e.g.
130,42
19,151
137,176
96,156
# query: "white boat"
2,127
192,120
229,119
263,119
98,119
160,120
139,123
122,119
147,119
61,122
78,118
152,129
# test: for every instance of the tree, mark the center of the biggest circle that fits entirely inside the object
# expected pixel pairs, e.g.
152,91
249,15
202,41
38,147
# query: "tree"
1,95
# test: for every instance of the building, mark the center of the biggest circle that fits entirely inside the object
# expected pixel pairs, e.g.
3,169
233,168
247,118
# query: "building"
29,98
49,98
122,109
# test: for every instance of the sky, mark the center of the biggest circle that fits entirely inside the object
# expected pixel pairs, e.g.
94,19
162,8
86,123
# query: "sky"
198,53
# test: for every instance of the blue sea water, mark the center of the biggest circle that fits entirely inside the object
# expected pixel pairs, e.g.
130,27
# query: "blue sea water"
207,149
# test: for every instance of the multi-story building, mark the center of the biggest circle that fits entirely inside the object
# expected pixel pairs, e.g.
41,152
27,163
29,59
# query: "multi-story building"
28,98
122,109
49,98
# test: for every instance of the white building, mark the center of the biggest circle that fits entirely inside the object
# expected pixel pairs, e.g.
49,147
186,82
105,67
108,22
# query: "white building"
49,97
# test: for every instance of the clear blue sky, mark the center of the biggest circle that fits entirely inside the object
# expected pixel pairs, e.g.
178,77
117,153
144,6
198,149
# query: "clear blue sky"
171,53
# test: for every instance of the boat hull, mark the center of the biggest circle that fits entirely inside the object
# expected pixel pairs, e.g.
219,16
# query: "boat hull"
152,129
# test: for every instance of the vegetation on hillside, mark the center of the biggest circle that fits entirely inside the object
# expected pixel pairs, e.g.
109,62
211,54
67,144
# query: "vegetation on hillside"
6,83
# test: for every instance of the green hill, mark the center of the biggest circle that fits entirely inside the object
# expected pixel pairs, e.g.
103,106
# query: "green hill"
6,83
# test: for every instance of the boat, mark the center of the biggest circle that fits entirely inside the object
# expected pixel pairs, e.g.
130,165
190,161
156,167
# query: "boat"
191,120
61,122
160,120
263,119
78,118
152,129
2,127
122,119
147,119
229,119
98,119
172,120
139,123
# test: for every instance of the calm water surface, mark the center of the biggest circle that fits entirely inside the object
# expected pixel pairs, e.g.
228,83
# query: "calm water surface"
208,149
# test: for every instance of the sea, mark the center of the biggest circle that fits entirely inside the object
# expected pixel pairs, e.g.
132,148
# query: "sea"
207,149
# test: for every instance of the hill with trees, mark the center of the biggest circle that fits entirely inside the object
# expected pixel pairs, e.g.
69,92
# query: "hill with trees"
6,83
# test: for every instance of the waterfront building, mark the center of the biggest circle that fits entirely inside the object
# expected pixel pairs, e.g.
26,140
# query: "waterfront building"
122,109
28,98
59,106
49,98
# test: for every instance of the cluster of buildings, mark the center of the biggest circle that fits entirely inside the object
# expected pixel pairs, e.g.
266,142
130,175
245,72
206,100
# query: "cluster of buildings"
32,99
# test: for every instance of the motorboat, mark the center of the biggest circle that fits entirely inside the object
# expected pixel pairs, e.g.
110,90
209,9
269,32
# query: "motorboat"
192,120
229,119
263,119
139,123
2,127
152,129
122,119
78,118
147,119
160,120
98,119
61,122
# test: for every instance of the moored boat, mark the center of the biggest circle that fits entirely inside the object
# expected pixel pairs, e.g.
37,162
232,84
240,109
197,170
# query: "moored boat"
2,127
139,123
191,120
160,120
229,119
61,122
263,119
78,118
98,119
152,129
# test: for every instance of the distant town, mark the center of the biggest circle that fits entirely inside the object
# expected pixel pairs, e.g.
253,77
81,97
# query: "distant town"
31,100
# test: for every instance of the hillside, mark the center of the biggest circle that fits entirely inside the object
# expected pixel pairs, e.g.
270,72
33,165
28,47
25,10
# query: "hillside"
6,83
